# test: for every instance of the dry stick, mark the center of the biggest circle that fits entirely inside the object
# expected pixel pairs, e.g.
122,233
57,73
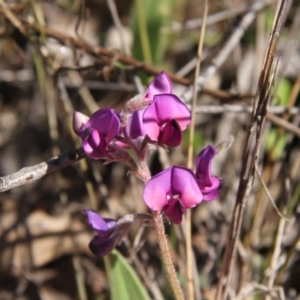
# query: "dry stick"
275,255
269,194
31,174
261,205
260,106
188,223
284,124
227,48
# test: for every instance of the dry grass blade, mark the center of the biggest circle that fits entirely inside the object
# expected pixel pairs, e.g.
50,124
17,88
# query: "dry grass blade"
250,156
269,195
191,276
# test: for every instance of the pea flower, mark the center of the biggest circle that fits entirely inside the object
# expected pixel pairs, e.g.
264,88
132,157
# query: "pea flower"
161,84
165,119
209,185
110,232
97,132
173,191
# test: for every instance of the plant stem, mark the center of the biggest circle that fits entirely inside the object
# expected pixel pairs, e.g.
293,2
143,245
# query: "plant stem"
166,256
145,176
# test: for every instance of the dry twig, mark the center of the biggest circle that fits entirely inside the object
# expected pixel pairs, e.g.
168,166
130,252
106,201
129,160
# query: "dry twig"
250,157
31,174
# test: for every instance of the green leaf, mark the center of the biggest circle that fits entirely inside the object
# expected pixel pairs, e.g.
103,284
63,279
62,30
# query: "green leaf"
149,16
271,139
124,283
269,16
280,146
276,143
198,140
283,92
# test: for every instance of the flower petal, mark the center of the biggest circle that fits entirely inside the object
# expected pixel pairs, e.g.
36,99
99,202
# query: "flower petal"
213,192
209,185
98,223
105,121
161,84
94,145
100,246
79,120
174,211
134,126
171,134
183,182
166,107
156,189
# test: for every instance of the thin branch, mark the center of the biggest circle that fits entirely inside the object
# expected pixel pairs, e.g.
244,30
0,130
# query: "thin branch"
269,194
250,156
31,174
284,124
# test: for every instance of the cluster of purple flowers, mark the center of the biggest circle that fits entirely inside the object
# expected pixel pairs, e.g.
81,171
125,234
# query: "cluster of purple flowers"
155,117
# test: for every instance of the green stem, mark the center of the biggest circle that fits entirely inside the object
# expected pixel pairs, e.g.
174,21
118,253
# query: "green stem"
142,25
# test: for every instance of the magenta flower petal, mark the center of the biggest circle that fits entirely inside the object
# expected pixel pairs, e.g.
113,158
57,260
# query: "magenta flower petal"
163,109
184,184
105,121
95,145
172,191
157,189
161,84
134,126
209,185
174,211
97,132
171,134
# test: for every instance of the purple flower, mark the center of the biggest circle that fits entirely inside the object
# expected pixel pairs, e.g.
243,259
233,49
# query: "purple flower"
209,185
97,132
161,84
173,191
165,119
110,233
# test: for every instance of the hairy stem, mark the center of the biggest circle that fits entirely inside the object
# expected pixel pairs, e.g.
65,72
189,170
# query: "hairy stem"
166,256
145,176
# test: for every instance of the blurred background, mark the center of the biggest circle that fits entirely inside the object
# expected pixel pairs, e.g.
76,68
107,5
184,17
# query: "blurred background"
66,55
